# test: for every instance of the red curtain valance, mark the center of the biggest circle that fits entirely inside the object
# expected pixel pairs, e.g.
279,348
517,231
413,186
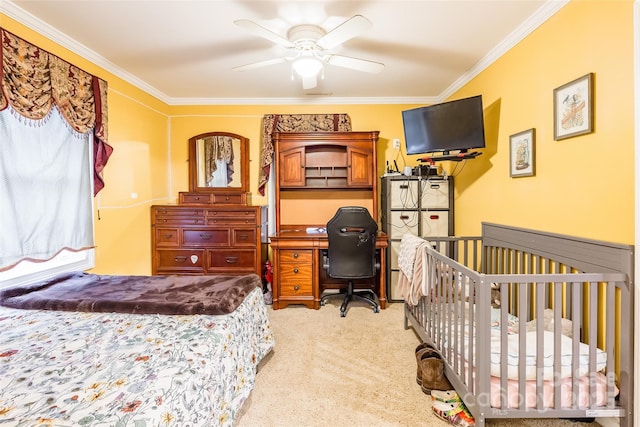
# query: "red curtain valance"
294,123
32,80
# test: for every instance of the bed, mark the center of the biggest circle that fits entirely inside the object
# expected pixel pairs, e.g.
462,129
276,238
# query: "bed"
530,324
91,350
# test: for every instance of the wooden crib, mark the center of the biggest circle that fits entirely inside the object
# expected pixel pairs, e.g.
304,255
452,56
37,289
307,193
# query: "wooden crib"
530,324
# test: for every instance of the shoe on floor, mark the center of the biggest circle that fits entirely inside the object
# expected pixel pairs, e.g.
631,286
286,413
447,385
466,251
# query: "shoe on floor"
446,396
432,373
455,413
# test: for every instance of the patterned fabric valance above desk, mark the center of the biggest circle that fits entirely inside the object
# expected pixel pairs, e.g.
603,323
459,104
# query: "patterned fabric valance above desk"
294,123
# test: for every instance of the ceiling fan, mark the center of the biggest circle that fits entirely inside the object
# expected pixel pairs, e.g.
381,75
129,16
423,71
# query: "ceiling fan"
309,45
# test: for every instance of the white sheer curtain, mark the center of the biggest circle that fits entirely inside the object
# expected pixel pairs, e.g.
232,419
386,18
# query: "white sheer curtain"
45,188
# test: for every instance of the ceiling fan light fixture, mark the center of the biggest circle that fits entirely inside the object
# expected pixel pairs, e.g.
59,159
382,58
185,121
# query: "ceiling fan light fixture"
307,66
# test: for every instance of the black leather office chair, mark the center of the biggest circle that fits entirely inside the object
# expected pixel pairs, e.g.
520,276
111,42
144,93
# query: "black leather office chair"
352,254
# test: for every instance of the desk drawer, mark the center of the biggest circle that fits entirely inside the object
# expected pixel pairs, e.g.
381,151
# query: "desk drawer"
296,255
295,289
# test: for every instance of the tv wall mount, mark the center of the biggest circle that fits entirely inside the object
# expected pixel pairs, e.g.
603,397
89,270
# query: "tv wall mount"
458,157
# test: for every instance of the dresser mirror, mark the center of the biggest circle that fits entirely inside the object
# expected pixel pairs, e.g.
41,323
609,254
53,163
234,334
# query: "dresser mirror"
219,163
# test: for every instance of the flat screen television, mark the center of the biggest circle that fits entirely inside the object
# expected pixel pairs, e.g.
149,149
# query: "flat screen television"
450,126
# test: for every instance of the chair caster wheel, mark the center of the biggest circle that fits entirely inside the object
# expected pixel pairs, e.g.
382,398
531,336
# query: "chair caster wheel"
322,303
376,310
343,314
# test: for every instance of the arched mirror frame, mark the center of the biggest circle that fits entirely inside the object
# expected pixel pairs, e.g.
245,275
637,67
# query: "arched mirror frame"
221,194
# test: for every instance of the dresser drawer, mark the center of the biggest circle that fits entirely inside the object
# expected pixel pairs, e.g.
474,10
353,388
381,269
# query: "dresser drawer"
296,256
232,259
173,211
235,199
245,236
180,260
179,220
195,198
217,217
167,237
206,237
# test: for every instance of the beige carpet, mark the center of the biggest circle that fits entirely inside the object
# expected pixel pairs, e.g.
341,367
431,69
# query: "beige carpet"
353,371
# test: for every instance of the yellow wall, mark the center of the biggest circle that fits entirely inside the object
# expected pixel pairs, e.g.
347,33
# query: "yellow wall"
583,185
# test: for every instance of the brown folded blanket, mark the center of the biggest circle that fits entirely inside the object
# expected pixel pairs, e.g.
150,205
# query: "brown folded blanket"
133,294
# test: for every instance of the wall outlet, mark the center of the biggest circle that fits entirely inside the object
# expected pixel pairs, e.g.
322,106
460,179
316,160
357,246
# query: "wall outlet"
396,143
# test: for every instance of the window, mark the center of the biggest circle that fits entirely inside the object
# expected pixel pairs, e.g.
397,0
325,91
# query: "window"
29,271
46,198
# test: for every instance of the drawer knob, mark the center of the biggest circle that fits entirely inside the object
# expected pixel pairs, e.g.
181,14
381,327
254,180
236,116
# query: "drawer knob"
295,255
295,270
296,288
231,260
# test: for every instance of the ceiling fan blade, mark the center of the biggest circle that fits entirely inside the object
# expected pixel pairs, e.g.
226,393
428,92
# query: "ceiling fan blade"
263,32
345,31
355,63
260,64
309,82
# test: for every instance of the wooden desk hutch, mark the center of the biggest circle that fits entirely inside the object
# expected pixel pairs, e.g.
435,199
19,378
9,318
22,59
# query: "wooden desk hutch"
316,173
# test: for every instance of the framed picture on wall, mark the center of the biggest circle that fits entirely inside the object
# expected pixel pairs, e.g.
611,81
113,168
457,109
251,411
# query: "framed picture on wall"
522,153
573,108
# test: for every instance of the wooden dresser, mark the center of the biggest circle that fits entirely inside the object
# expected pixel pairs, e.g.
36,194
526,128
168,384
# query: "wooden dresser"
200,239
212,230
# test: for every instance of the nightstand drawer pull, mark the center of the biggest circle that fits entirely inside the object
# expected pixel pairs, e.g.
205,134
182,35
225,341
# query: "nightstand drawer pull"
168,236
296,288
206,236
180,259
295,255
295,270
231,260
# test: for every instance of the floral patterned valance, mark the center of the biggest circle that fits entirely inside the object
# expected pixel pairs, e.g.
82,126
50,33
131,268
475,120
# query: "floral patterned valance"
294,123
33,80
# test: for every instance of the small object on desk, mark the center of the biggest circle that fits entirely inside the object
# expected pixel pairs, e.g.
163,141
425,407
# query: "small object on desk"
316,230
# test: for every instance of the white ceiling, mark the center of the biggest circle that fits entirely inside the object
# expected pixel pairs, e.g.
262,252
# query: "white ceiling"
183,51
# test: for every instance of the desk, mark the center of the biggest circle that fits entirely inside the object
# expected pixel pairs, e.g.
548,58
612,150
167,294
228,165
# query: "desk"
298,276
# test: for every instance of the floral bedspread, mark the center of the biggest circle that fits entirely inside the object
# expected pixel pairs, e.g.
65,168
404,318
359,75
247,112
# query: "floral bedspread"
110,369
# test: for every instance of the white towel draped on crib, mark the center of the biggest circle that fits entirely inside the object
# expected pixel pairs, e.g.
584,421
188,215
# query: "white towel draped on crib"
411,264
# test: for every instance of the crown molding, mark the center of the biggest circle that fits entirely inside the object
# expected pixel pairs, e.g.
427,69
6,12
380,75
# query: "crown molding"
16,13
547,10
